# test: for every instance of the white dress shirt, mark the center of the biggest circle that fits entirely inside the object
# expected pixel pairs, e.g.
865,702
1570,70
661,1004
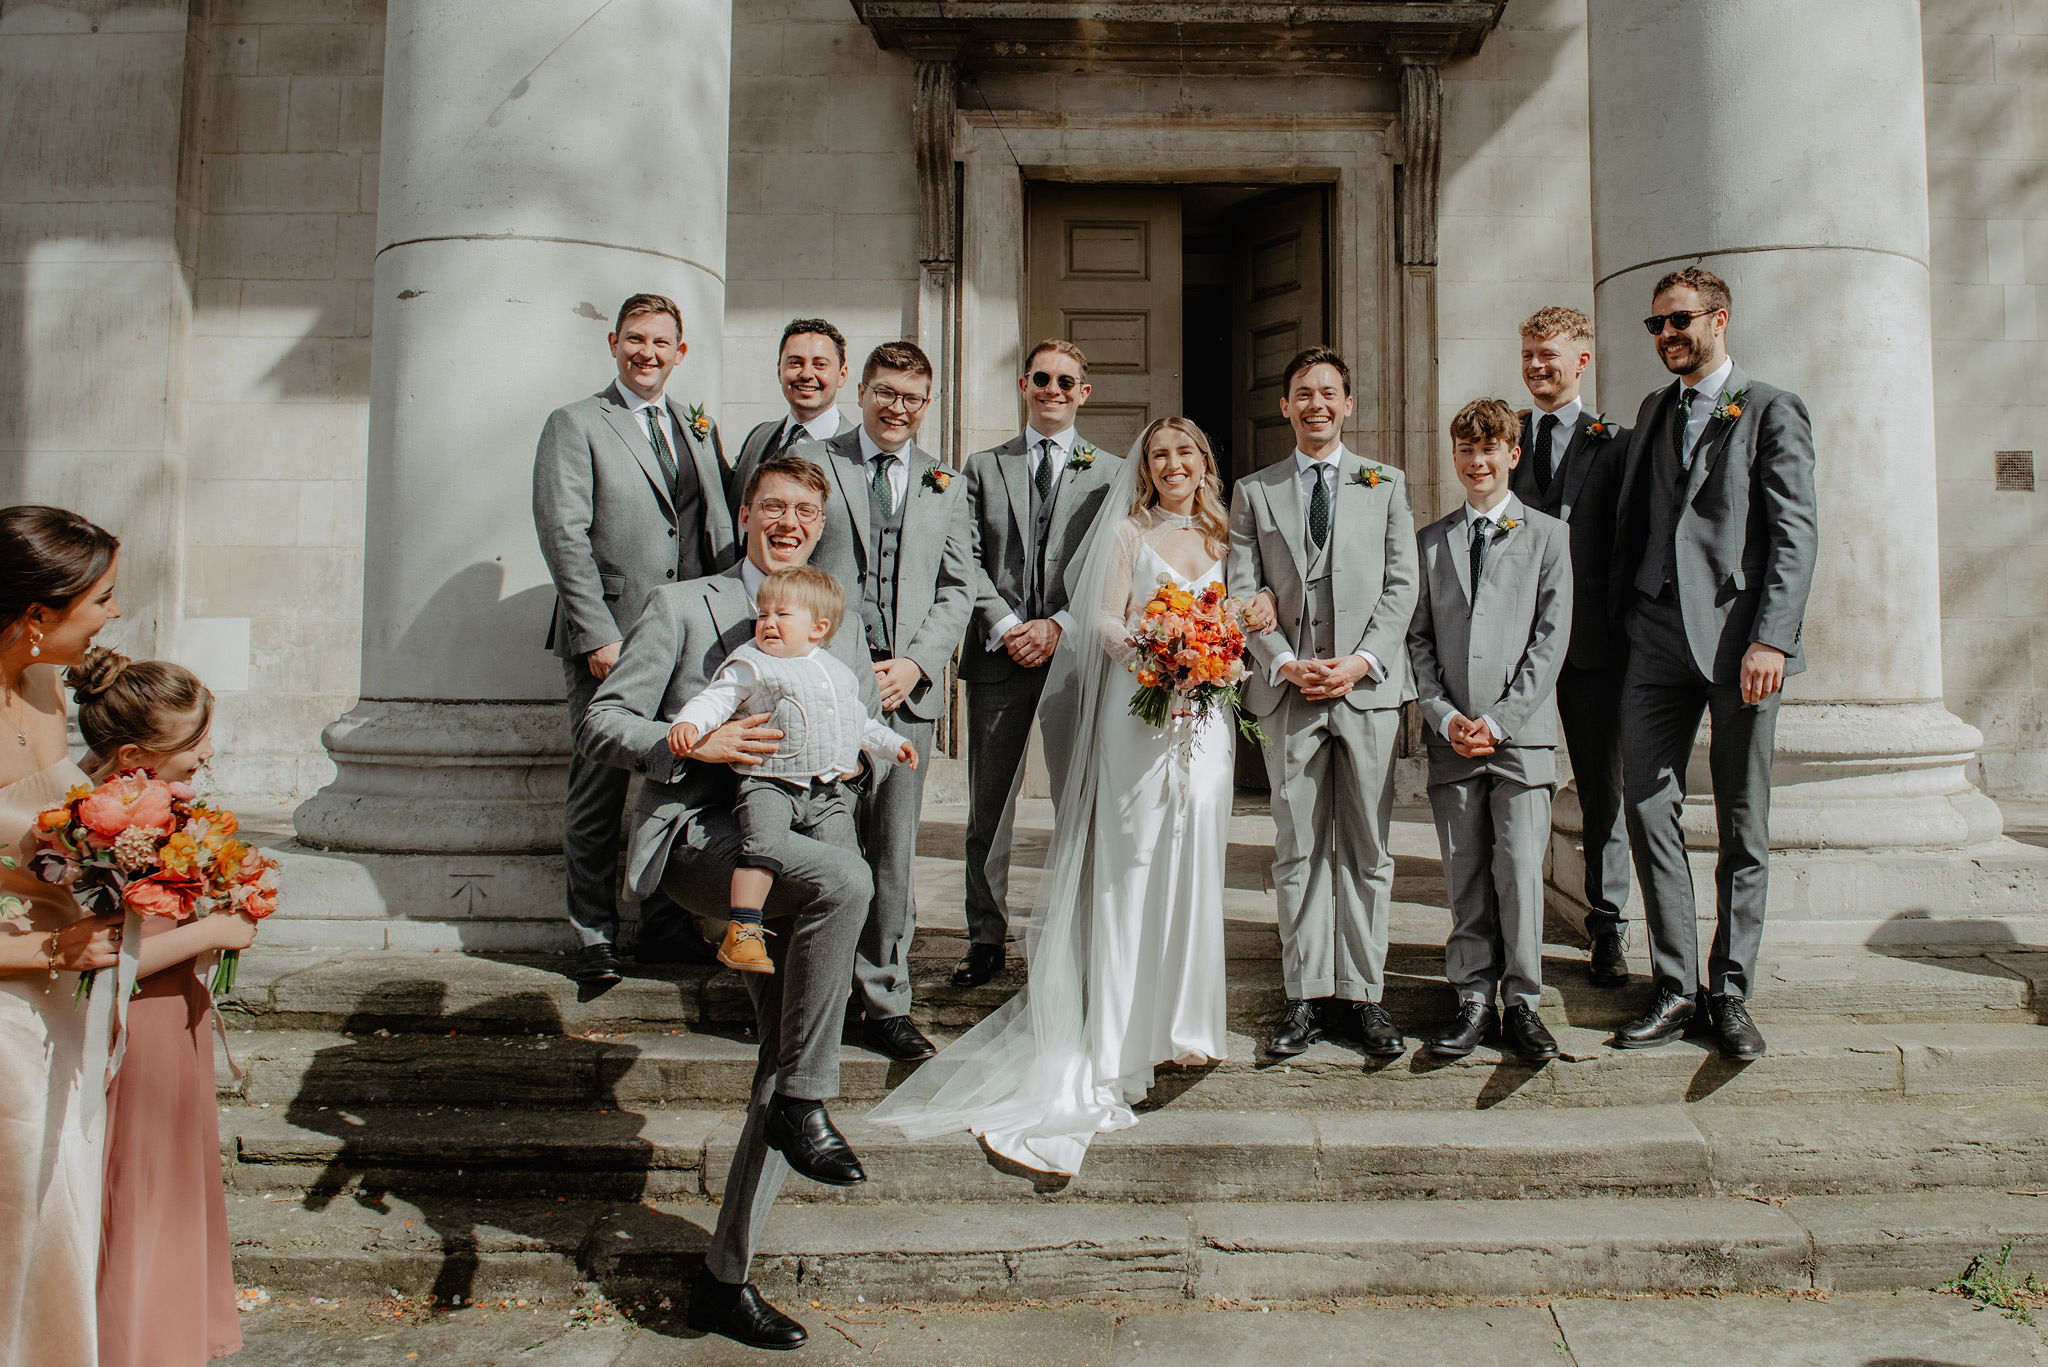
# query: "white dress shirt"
638,407
1034,451
1305,467
1507,505
899,473
824,427
751,577
1560,437
1703,407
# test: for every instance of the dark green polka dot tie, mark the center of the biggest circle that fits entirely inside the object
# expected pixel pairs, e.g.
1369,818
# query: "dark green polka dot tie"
1319,508
884,494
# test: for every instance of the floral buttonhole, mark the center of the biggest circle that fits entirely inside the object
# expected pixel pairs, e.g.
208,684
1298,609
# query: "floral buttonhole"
1598,426
937,478
1371,476
1084,455
1506,525
1731,406
700,421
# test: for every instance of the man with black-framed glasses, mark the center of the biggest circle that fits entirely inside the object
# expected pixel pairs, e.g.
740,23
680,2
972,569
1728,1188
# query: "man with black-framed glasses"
1031,501
1714,556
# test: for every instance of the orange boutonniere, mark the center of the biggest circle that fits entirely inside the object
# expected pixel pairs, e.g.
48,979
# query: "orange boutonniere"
1371,476
700,421
1506,525
937,478
1598,426
1731,406
1083,457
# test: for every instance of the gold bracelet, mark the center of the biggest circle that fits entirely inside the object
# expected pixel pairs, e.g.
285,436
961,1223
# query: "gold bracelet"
53,955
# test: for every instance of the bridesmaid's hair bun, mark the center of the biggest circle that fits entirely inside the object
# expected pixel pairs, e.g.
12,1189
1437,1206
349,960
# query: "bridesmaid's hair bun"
97,672
158,707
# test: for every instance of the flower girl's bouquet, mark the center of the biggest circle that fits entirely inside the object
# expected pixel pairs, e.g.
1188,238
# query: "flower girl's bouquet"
1190,656
135,843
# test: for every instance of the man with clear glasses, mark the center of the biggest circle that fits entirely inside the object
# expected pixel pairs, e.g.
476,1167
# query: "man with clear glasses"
896,536
1030,502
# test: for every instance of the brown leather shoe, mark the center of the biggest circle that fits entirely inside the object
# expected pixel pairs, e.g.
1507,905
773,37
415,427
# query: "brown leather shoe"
745,947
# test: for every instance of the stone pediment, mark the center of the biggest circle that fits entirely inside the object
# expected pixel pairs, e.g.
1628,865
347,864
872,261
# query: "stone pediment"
1247,37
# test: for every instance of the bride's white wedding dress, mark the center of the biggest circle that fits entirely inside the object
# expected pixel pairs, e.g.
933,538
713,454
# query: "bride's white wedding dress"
1126,942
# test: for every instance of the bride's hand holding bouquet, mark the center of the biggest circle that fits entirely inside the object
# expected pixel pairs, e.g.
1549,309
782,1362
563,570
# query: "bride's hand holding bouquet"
1190,656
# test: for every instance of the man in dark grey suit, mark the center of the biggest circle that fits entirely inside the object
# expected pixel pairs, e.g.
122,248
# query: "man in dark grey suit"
896,536
1032,501
1571,469
811,366
686,841
1714,560
628,496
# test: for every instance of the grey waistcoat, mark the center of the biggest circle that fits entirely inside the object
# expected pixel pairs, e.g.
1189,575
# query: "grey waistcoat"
1317,633
878,585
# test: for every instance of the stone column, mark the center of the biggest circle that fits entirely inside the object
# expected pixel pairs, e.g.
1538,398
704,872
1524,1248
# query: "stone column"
541,160
1721,137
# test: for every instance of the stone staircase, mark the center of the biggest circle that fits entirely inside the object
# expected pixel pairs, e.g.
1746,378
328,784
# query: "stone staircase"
476,1125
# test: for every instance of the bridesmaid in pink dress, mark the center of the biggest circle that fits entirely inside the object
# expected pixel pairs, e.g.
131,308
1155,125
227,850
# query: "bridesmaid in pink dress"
166,1279
56,591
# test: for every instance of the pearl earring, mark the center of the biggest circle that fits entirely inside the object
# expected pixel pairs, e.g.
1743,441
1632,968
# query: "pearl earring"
35,648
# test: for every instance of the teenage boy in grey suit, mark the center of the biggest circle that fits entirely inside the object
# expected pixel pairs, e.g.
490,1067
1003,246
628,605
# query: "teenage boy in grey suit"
811,366
1714,562
1489,637
628,496
1031,501
686,840
1331,538
1571,469
896,536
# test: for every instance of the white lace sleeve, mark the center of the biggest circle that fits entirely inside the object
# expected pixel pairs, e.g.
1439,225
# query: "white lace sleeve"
1115,611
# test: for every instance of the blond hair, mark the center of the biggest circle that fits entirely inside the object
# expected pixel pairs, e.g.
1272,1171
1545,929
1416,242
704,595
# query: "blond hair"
1558,321
812,590
149,704
1210,517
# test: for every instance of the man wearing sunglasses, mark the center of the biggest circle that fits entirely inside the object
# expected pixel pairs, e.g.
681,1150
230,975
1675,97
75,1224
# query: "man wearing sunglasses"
1031,501
1714,559
811,367
896,536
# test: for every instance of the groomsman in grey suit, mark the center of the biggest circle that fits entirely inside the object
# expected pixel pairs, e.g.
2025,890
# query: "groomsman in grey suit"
686,841
812,369
1487,642
1331,537
896,535
1571,469
628,496
1032,501
1714,561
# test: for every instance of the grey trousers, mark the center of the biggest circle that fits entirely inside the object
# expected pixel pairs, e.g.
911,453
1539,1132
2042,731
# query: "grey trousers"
888,818
1662,703
771,809
1332,771
1589,705
999,715
591,830
1494,832
815,913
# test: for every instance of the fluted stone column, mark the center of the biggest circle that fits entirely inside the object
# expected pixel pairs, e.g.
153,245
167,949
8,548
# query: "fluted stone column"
541,160
1783,147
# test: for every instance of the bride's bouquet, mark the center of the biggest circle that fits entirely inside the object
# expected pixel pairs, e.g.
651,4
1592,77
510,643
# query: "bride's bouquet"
1190,656
135,843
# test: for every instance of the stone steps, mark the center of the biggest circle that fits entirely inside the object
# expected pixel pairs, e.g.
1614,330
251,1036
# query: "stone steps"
1285,1251
1634,1151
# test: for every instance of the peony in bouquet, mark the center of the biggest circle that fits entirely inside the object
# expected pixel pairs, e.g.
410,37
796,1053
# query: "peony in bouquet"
135,843
1190,656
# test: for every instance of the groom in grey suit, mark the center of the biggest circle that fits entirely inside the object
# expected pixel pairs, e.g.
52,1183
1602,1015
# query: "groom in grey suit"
1714,560
629,496
1331,538
1031,501
896,537
685,842
811,367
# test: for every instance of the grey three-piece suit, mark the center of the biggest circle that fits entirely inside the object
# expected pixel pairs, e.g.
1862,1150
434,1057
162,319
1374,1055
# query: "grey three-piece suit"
1022,546
1493,650
1712,554
613,529
766,439
1331,763
685,840
1585,492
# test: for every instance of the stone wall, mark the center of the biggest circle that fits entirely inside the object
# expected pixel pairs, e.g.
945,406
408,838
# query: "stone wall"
1987,153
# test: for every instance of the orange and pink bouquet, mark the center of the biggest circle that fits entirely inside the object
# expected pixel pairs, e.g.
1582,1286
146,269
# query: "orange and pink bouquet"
136,843
1190,656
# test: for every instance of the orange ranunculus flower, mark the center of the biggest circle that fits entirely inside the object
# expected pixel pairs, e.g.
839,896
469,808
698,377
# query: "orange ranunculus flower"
129,800
223,821
179,854
163,894
54,820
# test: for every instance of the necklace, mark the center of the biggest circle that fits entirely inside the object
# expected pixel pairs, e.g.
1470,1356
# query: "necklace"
1180,521
20,736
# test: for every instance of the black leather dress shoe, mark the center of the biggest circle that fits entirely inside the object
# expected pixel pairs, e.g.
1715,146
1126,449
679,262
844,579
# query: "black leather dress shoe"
1299,1027
1661,1024
804,1135
1475,1022
1523,1031
1610,958
598,963
982,963
1377,1031
898,1038
739,1313
1737,1033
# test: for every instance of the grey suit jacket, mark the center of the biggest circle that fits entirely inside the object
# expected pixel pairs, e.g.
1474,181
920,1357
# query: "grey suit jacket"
1586,494
934,566
1747,530
999,510
1373,550
670,654
1497,654
605,519
755,447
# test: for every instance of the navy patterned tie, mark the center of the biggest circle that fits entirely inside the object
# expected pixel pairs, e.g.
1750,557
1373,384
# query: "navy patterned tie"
1042,479
1481,526
1319,507
1546,469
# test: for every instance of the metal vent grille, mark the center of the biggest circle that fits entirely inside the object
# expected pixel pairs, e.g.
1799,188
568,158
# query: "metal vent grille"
2012,471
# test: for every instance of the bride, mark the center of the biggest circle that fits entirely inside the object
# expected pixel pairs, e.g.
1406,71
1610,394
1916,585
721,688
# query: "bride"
1125,940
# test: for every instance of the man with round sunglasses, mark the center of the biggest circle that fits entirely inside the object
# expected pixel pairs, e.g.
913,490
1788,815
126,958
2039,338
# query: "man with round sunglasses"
1714,558
1031,502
